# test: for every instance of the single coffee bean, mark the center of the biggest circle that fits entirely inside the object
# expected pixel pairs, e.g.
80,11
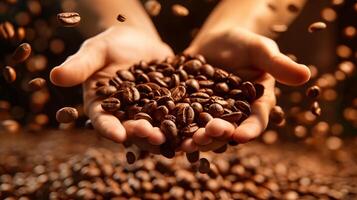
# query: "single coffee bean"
142,115
21,53
66,115
183,74
221,149
179,10
313,92
277,115
160,113
7,31
197,107
142,78
193,157
315,108
216,110
163,99
132,110
237,94
201,78
37,84
204,166
20,33
234,81
121,18
130,95
111,104
221,88
207,91
259,89
248,90
206,83
243,106
153,86
150,107
165,92
185,115
199,97
204,118
178,93
192,85
317,26
116,82
175,80
167,150
9,74
189,130
100,83
125,75
170,105
232,117
207,70
220,75
132,154
88,124
192,66
219,100
144,88
169,129
69,19
155,74
160,82
170,117
105,91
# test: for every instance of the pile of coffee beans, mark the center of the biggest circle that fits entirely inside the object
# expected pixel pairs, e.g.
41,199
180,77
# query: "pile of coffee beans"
179,95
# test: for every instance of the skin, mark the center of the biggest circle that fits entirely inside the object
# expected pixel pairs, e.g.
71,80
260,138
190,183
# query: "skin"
243,48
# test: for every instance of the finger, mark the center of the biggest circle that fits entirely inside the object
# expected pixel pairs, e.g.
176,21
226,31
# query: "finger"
157,137
219,128
267,57
258,120
189,146
200,138
143,129
213,146
78,67
106,124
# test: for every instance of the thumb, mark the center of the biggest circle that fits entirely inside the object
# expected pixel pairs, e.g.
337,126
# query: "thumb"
281,67
78,67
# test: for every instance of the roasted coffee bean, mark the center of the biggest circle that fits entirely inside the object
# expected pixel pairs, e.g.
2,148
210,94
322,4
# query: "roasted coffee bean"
201,78
192,85
150,107
132,110
199,97
189,130
130,95
313,92
160,113
193,157
165,92
155,74
207,91
144,88
153,7
185,115
100,83
37,84
234,81
277,115
125,75
170,117
232,117
88,124
179,10
317,26
221,88
69,19
169,129
204,118
121,115
206,83
170,105
216,110
7,31
315,108
259,90
197,107
142,78
105,91
175,80
178,93
183,75
21,53
159,82
248,90
116,82
207,70
9,74
132,154
142,115
167,150
153,86
237,94
221,149
192,66
243,106
121,18
220,75
204,166
162,100
111,104
66,115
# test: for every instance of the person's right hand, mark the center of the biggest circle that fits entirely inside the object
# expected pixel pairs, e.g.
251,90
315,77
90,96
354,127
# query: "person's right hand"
98,59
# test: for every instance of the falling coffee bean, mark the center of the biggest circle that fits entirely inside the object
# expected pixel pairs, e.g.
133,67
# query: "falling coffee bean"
7,31
121,18
69,19
313,92
21,53
204,166
37,84
66,115
9,74
193,157
317,26
277,115
315,108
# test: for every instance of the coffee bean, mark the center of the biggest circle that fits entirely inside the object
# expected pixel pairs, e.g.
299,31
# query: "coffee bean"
216,110
129,95
221,149
132,110
192,85
206,83
197,107
66,115
183,75
313,92
192,66
259,89
207,91
169,129
179,10
144,88
142,115
132,154
221,88
220,75
248,90
105,91
21,53
167,150
162,100
315,108
243,106
9,74
150,107
111,104
237,94
185,115
116,82
7,31
234,81
170,105
170,117
88,124
199,97
193,157
178,93
37,84
142,78
189,130
160,113
204,118
204,166
153,7
69,19
125,75
155,74
207,70
277,115
232,117
121,18
317,26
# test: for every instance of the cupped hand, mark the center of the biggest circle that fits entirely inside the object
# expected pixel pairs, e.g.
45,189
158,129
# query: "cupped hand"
253,57
98,59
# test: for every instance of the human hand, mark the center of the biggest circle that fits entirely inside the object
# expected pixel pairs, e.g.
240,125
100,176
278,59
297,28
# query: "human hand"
252,57
98,59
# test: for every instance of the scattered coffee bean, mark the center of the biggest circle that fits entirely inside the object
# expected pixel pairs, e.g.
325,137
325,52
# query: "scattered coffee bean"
315,108
21,53
111,104
179,10
317,26
9,74
277,115
153,7
204,166
121,18
193,157
7,31
66,115
69,19
37,84
313,92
